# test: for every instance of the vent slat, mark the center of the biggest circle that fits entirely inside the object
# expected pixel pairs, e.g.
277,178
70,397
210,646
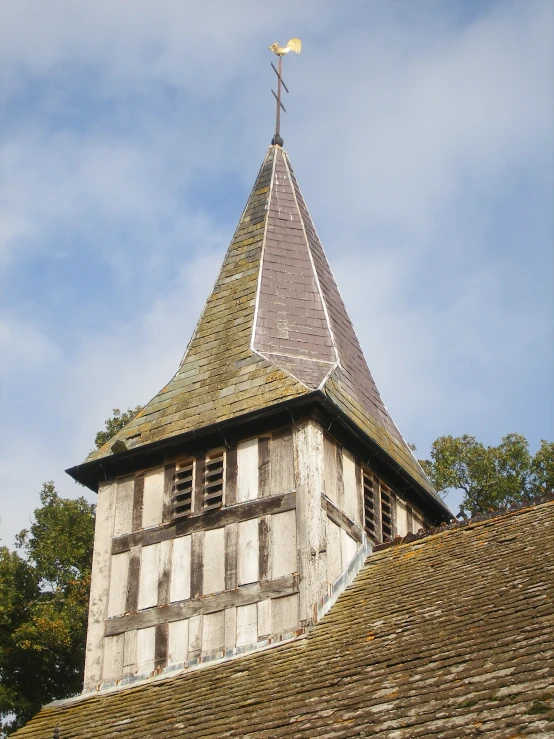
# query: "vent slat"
213,482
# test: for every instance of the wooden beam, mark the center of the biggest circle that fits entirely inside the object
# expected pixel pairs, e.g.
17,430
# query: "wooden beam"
338,517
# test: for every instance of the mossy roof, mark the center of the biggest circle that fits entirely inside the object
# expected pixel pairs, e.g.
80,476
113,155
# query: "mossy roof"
449,636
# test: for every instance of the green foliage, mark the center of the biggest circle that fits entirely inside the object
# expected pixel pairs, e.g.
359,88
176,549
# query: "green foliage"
44,606
493,476
115,424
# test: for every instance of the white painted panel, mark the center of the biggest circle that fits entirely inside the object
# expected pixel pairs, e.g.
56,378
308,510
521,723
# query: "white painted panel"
418,522
247,461
180,569
264,618
214,561
330,469
334,554
350,487
149,576
348,548
247,624
118,584
153,503
113,658
124,506
146,646
195,634
248,551
178,641
401,518
230,628
213,632
130,653
284,614
283,559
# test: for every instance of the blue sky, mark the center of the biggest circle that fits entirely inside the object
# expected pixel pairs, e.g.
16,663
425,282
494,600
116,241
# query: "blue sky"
422,134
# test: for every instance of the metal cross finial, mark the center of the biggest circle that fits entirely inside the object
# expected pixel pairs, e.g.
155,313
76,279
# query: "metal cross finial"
293,45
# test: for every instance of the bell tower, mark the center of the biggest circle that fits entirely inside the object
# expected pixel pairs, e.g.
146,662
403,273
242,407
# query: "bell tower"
237,502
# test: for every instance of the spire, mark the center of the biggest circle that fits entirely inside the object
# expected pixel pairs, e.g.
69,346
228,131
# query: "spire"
273,330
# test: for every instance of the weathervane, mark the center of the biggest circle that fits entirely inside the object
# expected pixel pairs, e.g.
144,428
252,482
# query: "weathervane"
293,45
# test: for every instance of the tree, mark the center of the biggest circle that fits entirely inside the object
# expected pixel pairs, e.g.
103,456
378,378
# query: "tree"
490,477
114,424
43,607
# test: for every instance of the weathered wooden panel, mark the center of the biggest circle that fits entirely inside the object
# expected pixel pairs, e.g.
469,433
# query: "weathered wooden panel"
360,495
338,517
198,497
180,569
130,653
248,552
214,561
350,486
113,658
161,646
231,476
401,518
169,482
264,547
138,499
348,548
247,624
195,637
99,591
231,556
153,503
410,519
282,462
133,580
284,614
264,618
118,584
330,469
245,595
247,461
340,480
123,519
146,649
197,564
178,641
264,467
165,572
283,555
213,632
334,552
230,627
205,521
149,576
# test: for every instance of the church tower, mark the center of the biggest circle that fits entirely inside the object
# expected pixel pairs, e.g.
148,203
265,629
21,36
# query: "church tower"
250,488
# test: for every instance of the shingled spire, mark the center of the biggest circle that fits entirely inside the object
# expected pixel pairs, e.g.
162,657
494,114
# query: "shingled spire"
273,330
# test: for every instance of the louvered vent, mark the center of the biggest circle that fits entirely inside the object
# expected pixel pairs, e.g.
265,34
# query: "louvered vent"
182,489
370,505
386,511
213,482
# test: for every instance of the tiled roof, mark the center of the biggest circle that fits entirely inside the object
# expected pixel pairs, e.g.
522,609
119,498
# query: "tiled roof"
449,636
274,328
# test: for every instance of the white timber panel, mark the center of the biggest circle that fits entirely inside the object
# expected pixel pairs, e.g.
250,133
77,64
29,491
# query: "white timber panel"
100,584
401,518
230,627
195,635
178,641
113,658
214,561
247,461
349,547
350,486
130,653
283,558
153,502
284,614
418,521
247,624
248,552
281,451
264,618
213,632
330,469
149,576
146,647
334,552
124,506
118,584
180,569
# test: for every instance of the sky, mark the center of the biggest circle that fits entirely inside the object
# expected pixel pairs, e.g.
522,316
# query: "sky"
422,135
